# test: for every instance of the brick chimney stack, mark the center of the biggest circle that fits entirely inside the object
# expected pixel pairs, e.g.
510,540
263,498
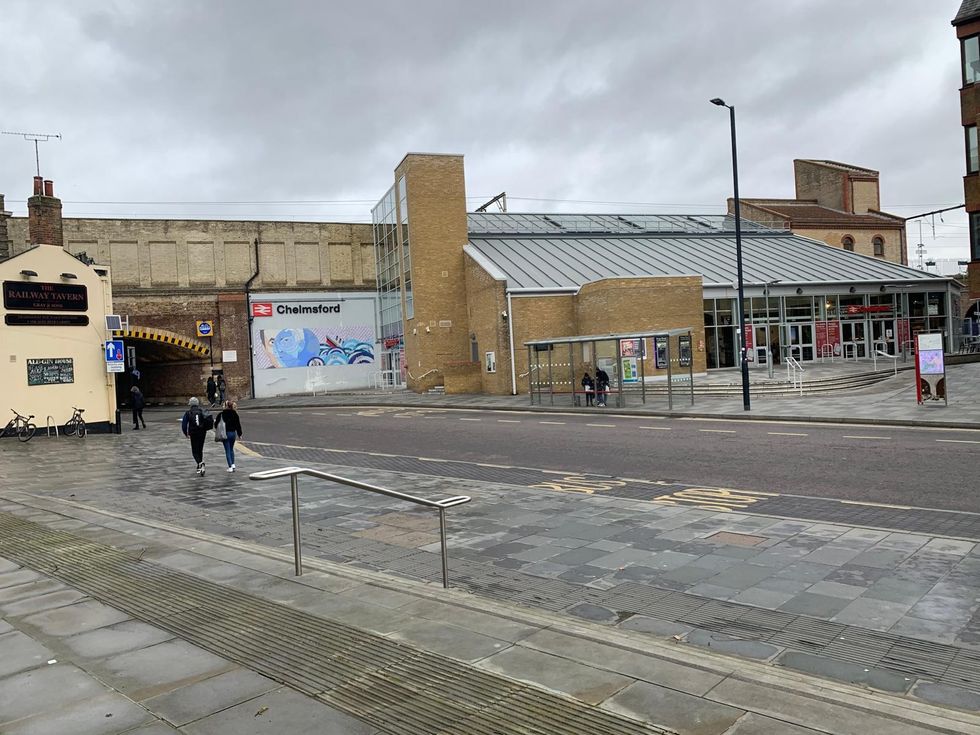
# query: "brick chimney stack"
4,240
44,215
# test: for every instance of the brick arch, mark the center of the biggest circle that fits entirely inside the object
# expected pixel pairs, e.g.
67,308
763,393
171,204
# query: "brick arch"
166,337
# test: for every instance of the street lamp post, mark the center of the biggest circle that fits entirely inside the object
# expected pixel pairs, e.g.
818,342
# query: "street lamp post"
746,402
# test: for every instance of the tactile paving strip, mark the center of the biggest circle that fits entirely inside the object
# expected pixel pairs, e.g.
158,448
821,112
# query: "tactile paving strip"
392,686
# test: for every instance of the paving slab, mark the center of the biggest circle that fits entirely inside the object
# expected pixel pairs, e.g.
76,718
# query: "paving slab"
20,652
281,711
149,672
78,618
449,640
675,710
882,679
128,635
586,683
204,698
39,690
106,714
753,724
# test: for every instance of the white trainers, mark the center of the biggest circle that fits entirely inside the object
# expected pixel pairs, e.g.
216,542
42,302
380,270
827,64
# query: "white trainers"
231,469
202,469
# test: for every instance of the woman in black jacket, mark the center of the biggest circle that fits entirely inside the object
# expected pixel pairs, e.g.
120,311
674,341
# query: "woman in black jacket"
232,426
138,402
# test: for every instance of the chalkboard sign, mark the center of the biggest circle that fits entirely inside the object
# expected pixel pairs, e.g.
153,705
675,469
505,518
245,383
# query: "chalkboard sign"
50,371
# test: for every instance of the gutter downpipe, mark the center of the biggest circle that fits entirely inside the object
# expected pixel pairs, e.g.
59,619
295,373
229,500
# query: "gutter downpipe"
248,310
510,334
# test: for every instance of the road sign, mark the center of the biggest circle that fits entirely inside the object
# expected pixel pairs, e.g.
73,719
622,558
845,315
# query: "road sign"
114,351
115,367
205,328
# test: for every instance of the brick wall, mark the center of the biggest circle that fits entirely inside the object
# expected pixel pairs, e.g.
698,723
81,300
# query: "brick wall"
895,247
439,332
4,237
825,184
486,302
44,220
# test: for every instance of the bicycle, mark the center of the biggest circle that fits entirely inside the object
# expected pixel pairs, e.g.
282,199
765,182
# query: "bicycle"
75,426
19,426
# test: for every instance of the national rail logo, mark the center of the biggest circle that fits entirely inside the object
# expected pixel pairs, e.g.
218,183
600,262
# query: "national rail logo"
262,308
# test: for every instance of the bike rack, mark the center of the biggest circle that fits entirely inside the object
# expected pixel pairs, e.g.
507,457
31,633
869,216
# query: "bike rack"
51,422
293,474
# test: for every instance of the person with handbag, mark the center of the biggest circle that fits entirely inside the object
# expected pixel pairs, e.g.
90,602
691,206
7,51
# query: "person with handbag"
228,430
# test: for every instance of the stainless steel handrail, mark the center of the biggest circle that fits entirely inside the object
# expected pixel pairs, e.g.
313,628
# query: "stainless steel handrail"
51,422
293,474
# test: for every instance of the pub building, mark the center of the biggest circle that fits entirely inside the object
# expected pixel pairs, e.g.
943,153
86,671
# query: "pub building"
52,335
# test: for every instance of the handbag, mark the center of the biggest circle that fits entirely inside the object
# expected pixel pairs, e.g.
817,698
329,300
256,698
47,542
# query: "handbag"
220,431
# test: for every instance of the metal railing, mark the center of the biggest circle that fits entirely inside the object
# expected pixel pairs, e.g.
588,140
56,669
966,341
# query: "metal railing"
293,474
794,373
52,423
881,353
826,351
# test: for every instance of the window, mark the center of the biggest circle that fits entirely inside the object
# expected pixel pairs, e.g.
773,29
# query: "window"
848,242
972,151
971,59
879,245
974,235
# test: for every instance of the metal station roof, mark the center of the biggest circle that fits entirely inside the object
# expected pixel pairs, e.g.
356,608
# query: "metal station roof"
540,252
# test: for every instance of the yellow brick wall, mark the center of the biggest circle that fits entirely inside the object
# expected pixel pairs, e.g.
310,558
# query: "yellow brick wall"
438,334
894,240
864,196
213,254
486,302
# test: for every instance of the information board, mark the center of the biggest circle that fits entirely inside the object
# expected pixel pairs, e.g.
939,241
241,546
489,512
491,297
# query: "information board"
50,370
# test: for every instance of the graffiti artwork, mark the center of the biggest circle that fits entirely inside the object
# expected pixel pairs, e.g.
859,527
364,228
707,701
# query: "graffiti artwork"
305,347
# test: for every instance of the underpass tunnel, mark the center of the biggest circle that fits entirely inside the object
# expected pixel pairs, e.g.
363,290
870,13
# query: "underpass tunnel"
169,367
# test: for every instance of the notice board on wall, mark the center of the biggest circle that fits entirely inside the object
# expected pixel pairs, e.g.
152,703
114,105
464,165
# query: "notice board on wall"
50,370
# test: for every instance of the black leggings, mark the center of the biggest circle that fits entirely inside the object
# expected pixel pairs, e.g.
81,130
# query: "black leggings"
138,417
197,446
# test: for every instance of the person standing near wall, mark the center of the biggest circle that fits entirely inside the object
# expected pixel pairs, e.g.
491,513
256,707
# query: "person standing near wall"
195,425
212,390
588,385
601,387
221,388
138,402
228,430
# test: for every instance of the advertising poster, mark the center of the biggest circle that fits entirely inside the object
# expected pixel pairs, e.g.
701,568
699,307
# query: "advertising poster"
828,333
749,343
904,333
630,373
632,348
313,342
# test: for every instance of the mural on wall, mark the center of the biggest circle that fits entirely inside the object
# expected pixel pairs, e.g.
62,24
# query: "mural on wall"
311,347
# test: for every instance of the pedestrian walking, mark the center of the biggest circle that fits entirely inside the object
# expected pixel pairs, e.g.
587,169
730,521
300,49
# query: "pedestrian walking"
137,402
195,425
228,430
601,387
221,388
588,385
212,390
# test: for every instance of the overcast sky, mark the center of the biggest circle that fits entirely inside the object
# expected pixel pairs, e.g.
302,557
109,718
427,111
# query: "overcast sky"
569,105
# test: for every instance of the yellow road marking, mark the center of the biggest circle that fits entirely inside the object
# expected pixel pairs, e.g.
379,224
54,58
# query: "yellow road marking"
714,498
579,484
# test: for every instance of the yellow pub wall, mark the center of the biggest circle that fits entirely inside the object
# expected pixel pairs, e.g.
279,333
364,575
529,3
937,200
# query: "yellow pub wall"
93,388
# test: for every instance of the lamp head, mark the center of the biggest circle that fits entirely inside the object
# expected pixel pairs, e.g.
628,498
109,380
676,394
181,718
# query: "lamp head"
718,101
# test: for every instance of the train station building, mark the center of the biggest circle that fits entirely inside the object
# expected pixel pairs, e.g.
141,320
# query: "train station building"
462,293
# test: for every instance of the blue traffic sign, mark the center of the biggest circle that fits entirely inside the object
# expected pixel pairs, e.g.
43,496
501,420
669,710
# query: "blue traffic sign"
114,351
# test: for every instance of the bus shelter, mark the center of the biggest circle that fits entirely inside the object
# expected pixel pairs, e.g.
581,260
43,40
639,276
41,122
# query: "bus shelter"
634,362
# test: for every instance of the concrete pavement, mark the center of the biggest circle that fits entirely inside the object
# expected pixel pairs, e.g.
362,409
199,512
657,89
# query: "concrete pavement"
890,402
890,611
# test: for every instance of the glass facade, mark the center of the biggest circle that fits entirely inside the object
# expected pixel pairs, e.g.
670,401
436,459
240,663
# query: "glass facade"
384,217
406,250
972,151
815,327
974,235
